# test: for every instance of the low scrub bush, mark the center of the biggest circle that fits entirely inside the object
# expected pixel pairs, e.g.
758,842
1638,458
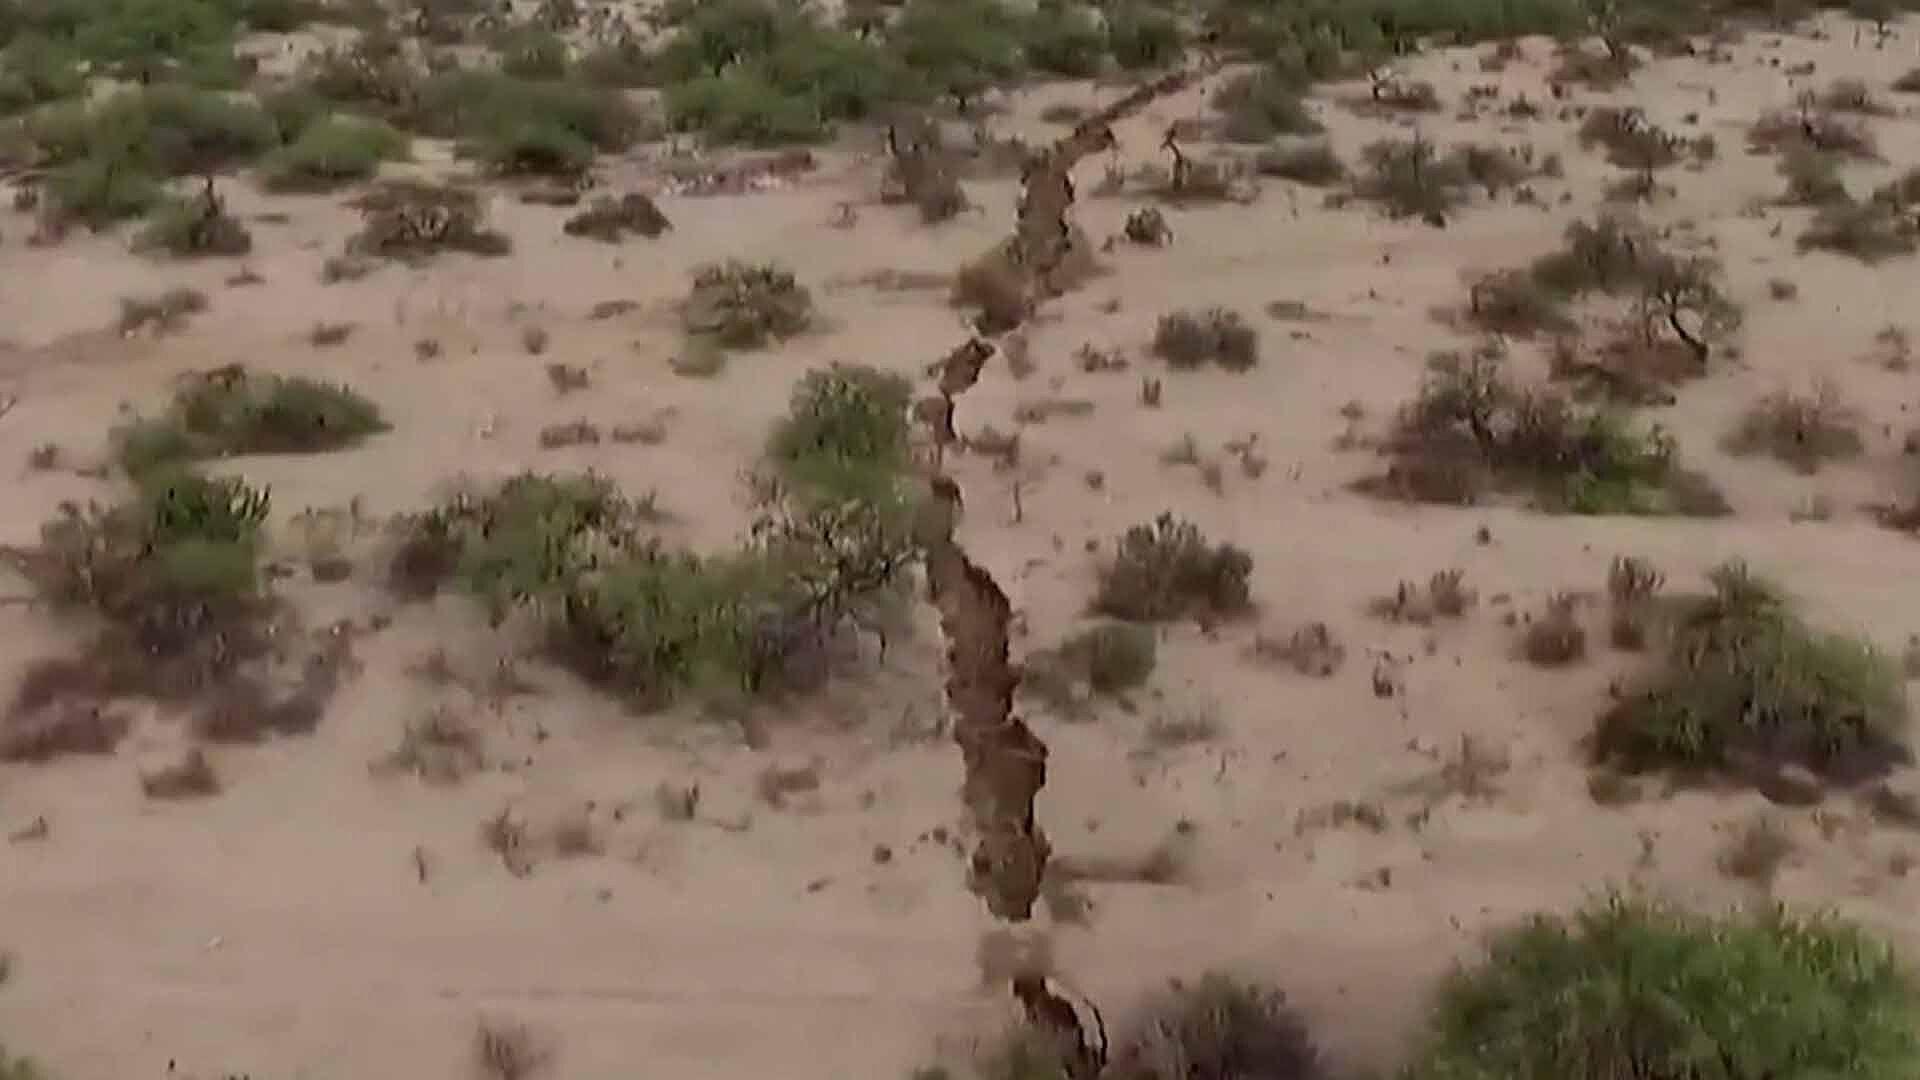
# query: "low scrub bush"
1409,179
1628,987
194,227
1470,430
609,220
1261,105
232,411
738,305
1186,340
1064,39
1141,36
1747,688
331,152
1111,658
1313,163
411,219
845,435
1812,178
1168,570
1218,1028
1802,430
1869,231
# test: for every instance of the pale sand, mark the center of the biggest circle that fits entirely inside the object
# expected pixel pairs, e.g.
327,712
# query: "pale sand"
279,929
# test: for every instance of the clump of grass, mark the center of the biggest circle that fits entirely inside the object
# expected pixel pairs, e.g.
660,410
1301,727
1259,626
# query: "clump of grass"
1169,570
1513,302
1748,688
231,411
1258,106
996,289
1813,178
1186,340
740,305
1802,430
1218,1028
410,219
1471,431
194,227
330,153
609,220
1411,180
1628,987
1313,163
1111,658
1555,638
164,312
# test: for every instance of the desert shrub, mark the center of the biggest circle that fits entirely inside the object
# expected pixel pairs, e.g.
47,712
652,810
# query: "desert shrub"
1218,1028
1186,339
195,226
35,71
1064,39
1630,987
410,219
1112,657
1141,36
1869,231
845,77
1747,688
845,433
533,53
1470,430
332,151
743,106
143,40
1607,255
1513,302
1493,169
962,48
1312,162
1168,570
1410,180
739,305
1801,430
524,125
231,411
1812,178
622,64
1902,192
994,286
373,74
609,220
1823,131
1258,106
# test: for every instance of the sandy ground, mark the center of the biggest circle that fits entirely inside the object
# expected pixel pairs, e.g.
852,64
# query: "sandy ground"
282,929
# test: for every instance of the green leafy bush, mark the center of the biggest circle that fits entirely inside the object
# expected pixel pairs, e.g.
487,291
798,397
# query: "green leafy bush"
1112,657
1140,36
1631,988
1187,340
1218,1028
1747,688
1064,39
743,106
962,48
739,305
232,411
195,226
524,125
1168,570
1260,105
330,152
845,434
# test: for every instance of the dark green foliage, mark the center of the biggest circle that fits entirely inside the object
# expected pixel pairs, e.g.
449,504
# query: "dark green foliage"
743,106
845,434
330,152
194,227
1260,105
294,109
1409,179
138,40
961,47
1064,39
35,71
1143,36
232,411
1748,688
1470,430
1168,570
790,88
1631,988
1219,1028
742,306
524,125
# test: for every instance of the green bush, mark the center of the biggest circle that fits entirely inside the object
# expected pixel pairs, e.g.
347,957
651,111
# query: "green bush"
1187,340
1747,687
1260,105
331,152
962,48
1112,657
742,106
710,38
232,411
1410,179
738,305
533,54
494,113
1064,39
1140,36
845,434
1631,988
36,71
1218,1028
194,227
1168,570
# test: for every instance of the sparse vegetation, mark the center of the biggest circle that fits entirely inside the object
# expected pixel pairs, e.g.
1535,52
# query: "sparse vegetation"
742,306
1111,658
1631,988
1802,430
332,152
409,219
231,411
1312,162
1869,231
1258,106
1186,339
1747,689
609,220
1169,570
1411,180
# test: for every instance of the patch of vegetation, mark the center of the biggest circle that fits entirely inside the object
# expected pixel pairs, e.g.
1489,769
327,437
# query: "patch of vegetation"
1187,340
609,220
1064,39
411,219
1470,430
1628,987
845,435
1813,178
1110,658
1260,105
1410,180
1513,302
331,152
523,126
1821,131
1218,1028
1802,430
1142,36
231,411
1312,163
743,306
1747,688
1869,231
195,226
1168,570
